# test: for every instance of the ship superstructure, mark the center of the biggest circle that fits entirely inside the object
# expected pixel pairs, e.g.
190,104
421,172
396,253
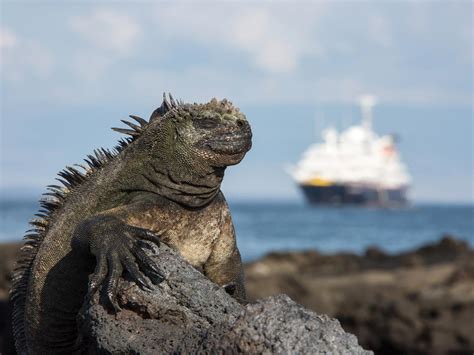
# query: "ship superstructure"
355,166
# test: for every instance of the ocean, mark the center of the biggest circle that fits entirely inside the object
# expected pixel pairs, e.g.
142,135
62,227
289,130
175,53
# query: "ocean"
262,227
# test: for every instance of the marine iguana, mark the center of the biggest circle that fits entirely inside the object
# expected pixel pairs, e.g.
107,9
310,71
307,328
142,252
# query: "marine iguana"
162,182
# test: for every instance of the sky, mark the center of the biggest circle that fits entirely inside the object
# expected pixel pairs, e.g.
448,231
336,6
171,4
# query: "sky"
70,71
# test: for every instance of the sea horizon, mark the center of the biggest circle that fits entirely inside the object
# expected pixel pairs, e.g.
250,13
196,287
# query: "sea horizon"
35,194
263,225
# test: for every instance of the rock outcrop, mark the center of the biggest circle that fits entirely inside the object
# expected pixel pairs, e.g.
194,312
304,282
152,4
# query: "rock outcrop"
8,254
419,302
277,325
416,302
187,313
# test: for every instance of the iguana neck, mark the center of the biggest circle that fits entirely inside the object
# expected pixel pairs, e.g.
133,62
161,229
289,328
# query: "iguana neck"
178,184
174,171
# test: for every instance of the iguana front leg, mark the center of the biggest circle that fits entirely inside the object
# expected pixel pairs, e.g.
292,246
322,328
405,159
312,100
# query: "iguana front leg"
117,247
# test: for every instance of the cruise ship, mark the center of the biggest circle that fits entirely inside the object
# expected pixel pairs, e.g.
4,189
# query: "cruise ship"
354,167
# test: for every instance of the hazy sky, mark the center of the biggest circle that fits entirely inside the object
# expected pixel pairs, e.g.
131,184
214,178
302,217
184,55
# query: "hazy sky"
69,72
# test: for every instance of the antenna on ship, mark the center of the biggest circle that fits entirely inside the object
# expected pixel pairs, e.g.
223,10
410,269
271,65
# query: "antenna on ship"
366,103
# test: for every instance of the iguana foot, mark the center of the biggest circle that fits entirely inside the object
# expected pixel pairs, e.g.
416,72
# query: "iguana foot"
119,247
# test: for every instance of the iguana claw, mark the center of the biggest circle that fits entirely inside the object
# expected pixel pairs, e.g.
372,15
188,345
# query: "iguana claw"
120,248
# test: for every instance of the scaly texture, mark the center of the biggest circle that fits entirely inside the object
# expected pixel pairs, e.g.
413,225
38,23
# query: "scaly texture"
164,180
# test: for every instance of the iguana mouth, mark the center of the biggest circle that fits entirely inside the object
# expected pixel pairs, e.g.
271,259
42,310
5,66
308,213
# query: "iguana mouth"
231,143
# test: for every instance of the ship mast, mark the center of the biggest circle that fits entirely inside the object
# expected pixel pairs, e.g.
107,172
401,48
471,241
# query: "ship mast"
366,103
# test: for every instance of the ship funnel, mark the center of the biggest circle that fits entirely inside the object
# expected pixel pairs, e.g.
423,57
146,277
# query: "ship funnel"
366,103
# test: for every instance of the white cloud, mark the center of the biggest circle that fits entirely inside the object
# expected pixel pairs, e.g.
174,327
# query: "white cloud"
379,30
266,35
249,52
148,84
214,82
8,39
108,29
90,66
254,32
22,58
271,47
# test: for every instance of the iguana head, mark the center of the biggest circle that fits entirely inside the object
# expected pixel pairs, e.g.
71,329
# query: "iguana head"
183,150
215,132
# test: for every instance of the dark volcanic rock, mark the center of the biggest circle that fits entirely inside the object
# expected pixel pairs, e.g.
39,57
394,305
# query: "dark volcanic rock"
416,302
313,263
182,306
419,302
188,313
8,254
277,325
7,345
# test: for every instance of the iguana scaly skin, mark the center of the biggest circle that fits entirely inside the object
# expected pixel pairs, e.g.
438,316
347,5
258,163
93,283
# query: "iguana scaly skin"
162,181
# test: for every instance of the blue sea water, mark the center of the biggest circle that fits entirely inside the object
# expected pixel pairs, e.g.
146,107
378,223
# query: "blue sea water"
263,227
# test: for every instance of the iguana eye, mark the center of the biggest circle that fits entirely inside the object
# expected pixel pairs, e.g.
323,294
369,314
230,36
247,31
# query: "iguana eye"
205,123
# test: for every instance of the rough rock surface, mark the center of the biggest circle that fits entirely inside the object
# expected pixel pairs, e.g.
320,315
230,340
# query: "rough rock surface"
419,302
188,313
182,306
8,254
277,325
416,302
